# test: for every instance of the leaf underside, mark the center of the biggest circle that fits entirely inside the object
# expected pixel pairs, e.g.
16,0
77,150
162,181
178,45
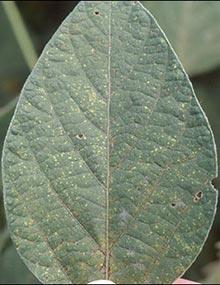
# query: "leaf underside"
108,160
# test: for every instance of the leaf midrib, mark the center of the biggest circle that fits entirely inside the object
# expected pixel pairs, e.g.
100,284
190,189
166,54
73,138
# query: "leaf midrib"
108,142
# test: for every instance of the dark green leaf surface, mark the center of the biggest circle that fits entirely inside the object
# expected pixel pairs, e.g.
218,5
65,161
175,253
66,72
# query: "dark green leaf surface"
5,118
108,162
193,29
6,114
13,270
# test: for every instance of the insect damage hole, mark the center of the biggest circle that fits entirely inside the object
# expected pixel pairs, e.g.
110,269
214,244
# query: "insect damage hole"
80,136
96,13
214,182
198,196
179,205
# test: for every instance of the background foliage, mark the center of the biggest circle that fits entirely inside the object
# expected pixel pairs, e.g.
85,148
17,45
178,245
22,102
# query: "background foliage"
197,28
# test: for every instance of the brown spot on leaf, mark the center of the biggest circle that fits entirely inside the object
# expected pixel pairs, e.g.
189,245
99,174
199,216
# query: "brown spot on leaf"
198,196
215,182
80,136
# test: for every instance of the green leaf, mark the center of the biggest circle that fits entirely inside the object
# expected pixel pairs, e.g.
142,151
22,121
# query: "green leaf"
193,29
12,61
13,70
108,162
4,240
5,118
12,269
207,89
20,32
6,114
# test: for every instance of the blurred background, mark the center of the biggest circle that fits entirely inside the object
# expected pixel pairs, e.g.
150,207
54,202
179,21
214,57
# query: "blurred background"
193,28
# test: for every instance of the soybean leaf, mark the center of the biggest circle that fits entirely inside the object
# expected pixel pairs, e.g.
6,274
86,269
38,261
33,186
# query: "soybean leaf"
108,162
207,89
193,29
6,113
5,118
12,269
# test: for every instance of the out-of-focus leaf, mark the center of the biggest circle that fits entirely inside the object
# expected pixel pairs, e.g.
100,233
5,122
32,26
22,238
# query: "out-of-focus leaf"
13,270
4,241
20,32
193,29
13,69
212,270
213,273
109,158
11,58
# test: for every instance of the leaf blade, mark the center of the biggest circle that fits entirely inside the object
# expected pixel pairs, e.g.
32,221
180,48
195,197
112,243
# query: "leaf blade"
93,155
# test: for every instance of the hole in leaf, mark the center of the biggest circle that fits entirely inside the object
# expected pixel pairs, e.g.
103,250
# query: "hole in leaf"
179,205
96,13
215,182
80,136
198,196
